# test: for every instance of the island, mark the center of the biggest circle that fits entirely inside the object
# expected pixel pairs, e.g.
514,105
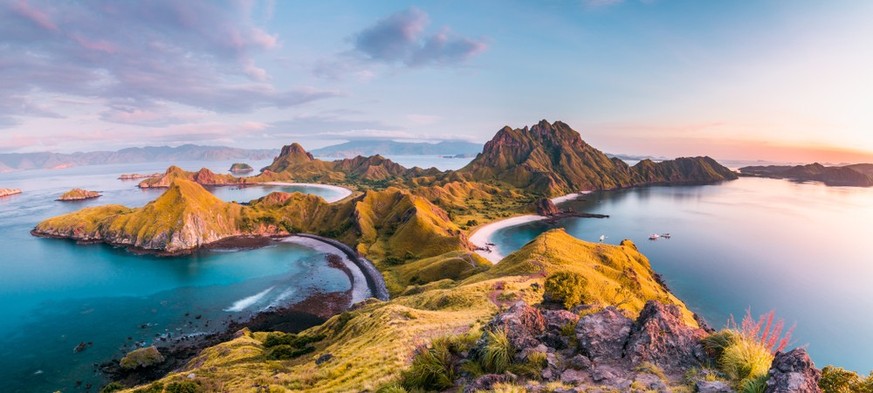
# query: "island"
856,175
241,168
9,191
558,312
78,194
136,176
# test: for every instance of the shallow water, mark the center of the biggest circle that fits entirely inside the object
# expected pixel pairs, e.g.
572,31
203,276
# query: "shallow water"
55,294
802,250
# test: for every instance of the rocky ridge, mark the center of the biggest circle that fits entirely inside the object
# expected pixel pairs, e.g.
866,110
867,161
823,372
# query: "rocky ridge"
78,194
857,175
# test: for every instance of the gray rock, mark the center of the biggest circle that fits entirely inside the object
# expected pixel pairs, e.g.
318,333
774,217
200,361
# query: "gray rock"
522,324
651,382
574,377
602,335
793,372
579,362
712,387
487,381
661,336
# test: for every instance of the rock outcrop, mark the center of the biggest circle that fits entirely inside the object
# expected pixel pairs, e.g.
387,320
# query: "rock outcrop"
78,194
858,175
9,191
553,159
793,372
660,337
545,207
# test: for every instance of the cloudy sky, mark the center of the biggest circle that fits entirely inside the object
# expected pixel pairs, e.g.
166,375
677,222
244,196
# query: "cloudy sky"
784,80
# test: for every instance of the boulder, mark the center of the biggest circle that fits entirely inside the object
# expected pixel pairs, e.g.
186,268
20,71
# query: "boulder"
712,387
793,372
660,336
601,336
522,323
142,358
556,320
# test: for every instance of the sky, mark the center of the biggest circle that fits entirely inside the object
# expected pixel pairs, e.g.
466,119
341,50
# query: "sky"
770,80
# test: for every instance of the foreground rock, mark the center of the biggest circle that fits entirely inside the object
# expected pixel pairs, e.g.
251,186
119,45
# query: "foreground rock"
793,372
142,358
9,191
78,194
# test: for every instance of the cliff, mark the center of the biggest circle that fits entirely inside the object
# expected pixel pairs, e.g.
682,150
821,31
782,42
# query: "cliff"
78,194
858,175
552,159
9,191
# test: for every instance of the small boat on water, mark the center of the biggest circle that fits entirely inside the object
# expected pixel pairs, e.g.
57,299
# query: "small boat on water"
654,236
666,236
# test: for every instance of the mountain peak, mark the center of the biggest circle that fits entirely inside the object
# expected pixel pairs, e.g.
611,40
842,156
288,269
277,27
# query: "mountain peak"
296,152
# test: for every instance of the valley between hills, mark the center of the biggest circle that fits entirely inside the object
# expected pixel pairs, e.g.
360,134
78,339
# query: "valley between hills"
558,315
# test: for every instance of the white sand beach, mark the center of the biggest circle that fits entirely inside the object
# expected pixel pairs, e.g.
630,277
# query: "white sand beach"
342,192
482,236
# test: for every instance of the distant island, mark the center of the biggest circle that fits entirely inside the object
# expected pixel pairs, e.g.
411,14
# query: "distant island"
370,147
137,176
9,191
856,175
241,168
48,160
78,194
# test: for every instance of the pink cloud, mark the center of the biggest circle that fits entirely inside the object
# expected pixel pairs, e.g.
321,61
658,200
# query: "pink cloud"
35,15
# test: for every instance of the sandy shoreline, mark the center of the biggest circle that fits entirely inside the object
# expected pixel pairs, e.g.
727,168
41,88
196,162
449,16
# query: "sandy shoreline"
342,191
482,236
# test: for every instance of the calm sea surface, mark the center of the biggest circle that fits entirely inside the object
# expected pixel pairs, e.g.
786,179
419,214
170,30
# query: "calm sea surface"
55,294
803,250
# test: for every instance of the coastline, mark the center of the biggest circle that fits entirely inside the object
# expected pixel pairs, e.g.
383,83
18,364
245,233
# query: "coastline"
361,290
481,237
372,276
343,192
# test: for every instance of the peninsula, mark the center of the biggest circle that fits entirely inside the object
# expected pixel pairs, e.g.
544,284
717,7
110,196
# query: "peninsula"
9,191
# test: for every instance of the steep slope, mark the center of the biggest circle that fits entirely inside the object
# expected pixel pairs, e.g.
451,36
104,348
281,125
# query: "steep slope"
552,159
547,158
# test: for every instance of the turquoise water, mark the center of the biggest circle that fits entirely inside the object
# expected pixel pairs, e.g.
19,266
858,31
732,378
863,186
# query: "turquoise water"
55,294
802,250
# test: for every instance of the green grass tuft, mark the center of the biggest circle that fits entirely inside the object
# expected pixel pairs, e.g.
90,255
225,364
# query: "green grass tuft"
497,353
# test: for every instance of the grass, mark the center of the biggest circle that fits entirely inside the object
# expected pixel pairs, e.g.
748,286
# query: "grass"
753,385
497,354
745,359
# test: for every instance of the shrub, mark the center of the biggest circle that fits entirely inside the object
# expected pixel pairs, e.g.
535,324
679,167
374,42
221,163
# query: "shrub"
838,380
715,343
745,359
432,368
567,288
156,387
497,353
766,330
285,346
532,367
287,352
183,387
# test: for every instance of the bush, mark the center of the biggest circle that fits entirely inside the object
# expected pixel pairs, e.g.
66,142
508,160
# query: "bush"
838,380
745,359
497,354
766,330
288,352
156,387
567,288
432,368
286,346
715,343
533,366
183,387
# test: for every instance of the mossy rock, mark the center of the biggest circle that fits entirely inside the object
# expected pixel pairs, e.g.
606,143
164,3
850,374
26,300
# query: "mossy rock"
142,358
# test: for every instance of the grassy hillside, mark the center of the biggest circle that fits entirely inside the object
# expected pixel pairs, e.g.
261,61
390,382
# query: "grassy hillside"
370,346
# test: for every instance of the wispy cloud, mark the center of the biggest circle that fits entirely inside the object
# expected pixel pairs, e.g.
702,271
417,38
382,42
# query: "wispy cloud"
401,38
195,53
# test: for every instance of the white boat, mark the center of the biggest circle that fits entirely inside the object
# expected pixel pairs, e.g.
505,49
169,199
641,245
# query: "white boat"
602,238
654,236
